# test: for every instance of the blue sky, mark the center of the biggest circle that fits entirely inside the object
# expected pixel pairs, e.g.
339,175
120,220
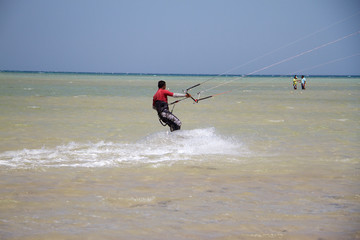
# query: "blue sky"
180,36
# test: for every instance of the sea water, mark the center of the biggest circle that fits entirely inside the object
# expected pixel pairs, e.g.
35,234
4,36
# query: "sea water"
83,156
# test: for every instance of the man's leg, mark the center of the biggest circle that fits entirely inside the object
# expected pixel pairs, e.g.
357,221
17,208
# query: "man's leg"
173,122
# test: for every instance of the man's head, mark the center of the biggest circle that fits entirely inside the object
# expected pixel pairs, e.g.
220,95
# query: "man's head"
162,84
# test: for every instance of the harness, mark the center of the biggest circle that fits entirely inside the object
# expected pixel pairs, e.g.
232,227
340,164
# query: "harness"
161,107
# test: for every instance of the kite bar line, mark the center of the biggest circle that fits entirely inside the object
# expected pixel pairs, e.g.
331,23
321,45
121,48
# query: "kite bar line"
305,52
323,64
283,61
271,52
301,39
319,65
274,64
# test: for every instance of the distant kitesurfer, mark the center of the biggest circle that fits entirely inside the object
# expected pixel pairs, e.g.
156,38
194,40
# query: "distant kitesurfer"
160,104
295,81
303,82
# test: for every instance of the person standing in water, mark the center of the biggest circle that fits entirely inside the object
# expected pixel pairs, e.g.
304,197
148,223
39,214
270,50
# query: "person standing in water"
303,82
160,104
295,80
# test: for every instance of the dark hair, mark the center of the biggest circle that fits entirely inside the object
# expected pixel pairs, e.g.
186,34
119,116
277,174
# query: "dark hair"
302,76
161,83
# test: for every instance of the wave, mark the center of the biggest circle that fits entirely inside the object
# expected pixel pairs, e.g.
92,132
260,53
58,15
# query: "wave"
184,145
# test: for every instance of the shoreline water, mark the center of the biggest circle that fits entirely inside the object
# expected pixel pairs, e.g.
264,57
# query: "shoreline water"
84,156
178,74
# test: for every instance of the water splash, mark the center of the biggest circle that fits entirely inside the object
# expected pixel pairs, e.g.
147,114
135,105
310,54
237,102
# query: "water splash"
182,145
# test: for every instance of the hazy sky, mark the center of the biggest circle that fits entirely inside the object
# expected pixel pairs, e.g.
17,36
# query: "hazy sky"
180,36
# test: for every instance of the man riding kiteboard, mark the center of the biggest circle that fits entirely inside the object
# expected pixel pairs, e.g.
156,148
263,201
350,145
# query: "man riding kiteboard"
160,104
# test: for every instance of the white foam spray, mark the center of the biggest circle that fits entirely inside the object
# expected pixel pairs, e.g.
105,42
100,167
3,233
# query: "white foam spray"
197,145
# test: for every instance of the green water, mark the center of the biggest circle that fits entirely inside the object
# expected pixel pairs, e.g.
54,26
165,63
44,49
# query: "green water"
83,156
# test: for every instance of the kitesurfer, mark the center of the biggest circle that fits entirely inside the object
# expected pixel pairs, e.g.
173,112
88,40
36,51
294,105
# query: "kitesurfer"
160,104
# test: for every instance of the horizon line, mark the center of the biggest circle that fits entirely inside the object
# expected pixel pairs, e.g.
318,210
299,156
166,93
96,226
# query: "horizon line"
174,74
